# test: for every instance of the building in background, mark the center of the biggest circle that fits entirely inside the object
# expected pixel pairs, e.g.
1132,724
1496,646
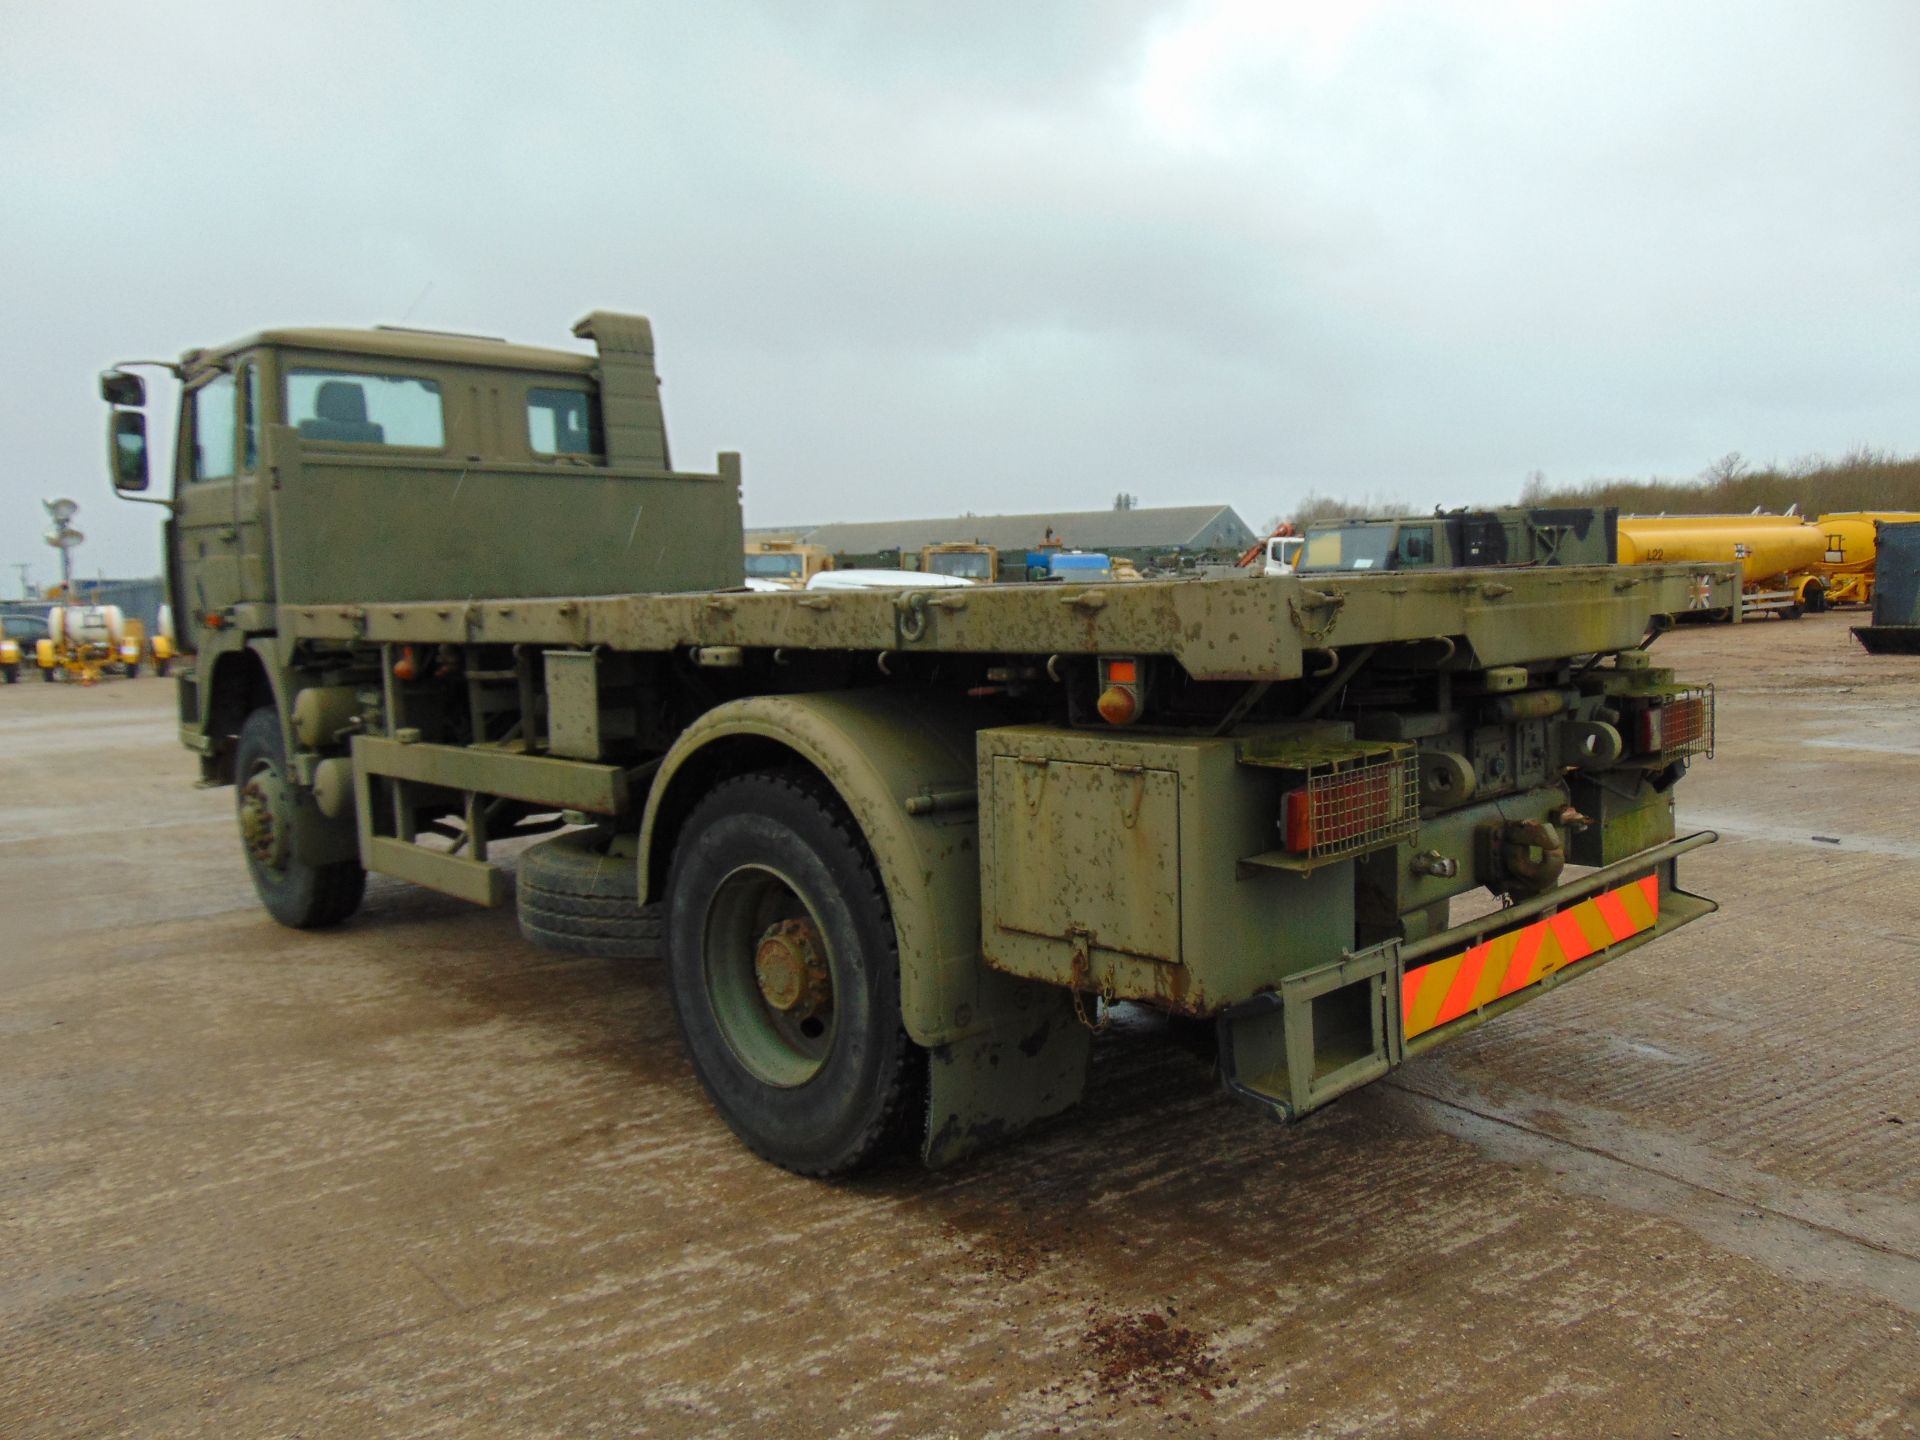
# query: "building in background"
1184,528
138,599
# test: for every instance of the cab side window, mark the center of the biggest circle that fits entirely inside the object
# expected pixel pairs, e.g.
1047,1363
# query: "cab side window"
352,407
563,422
1416,545
213,421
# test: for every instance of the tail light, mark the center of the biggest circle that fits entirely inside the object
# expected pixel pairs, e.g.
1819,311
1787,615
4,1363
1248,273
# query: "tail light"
1679,726
1340,812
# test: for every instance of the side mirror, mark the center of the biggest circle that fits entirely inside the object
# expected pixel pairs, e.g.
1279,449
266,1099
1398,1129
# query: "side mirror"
127,447
119,388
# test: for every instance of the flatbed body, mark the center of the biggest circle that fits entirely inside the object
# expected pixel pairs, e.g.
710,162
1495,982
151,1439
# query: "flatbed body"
1249,628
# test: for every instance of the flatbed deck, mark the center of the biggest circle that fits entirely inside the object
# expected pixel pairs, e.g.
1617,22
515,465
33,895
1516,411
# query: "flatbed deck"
1256,628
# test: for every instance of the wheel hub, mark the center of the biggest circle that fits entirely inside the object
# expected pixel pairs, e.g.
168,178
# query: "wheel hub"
791,971
263,828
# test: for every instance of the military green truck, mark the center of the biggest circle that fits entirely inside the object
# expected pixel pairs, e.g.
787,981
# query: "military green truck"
1446,539
908,848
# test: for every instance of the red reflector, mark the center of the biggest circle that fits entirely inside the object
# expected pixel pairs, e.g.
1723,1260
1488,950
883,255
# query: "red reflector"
1650,729
1296,820
1122,672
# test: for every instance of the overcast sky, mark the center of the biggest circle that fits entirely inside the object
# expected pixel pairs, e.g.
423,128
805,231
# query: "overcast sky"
916,259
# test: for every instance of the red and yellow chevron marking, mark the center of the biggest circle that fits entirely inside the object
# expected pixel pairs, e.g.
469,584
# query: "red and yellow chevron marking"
1447,989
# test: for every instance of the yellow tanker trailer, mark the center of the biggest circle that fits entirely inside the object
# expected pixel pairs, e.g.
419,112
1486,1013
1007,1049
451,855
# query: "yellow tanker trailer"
1780,556
1850,557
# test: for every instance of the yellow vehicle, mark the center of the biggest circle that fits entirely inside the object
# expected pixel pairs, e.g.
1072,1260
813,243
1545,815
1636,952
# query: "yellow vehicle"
968,561
1779,555
88,642
1849,561
784,564
10,659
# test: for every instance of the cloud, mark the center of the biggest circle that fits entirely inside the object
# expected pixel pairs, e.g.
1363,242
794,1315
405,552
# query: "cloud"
915,258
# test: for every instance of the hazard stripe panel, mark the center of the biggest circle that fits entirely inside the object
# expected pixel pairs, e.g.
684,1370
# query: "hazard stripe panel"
1447,989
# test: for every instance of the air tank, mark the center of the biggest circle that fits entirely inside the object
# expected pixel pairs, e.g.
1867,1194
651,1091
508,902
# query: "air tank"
1765,546
86,625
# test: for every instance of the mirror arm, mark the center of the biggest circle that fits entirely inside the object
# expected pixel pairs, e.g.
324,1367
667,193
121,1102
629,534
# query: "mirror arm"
171,367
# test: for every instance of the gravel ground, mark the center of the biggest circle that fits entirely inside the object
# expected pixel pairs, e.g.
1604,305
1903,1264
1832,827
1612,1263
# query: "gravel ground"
412,1177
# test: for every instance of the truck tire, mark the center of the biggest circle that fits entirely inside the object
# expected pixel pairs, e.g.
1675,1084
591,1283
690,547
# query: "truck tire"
299,895
13,673
578,894
785,975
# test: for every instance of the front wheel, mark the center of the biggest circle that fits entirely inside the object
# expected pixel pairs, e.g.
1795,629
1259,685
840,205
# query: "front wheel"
785,975
295,893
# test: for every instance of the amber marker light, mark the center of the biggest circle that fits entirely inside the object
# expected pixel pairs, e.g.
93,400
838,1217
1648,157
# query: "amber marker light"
1119,705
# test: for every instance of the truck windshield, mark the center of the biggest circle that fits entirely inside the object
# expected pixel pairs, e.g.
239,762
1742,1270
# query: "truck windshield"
972,565
773,567
1348,547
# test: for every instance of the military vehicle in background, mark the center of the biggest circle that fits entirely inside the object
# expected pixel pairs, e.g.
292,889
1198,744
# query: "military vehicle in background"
1779,557
785,564
1469,539
968,561
906,848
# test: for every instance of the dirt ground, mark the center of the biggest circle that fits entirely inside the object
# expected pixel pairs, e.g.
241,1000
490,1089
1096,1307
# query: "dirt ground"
413,1177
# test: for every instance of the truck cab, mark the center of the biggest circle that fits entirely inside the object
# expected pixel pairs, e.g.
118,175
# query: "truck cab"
324,467
784,564
1462,538
968,561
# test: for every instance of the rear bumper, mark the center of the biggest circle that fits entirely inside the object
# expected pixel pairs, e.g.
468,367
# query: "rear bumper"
1344,1025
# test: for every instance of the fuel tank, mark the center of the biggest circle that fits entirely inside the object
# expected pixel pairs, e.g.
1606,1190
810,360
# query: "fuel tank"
1848,537
1764,546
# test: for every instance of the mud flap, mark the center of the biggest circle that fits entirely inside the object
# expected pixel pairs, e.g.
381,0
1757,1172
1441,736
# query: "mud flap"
990,1086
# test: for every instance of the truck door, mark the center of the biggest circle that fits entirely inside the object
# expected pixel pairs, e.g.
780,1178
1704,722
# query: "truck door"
210,559
250,509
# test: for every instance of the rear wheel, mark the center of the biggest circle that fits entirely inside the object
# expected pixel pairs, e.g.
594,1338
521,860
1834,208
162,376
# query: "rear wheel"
785,975
13,673
295,893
